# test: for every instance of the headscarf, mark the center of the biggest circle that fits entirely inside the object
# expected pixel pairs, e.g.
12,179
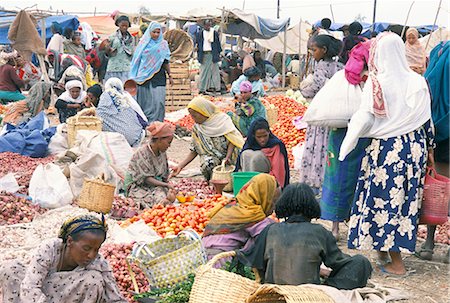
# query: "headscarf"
395,100
35,96
253,204
81,223
122,18
66,95
245,87
161,129
149,55
252,71
57,27
6,56
86,35
438,78
415,53
252,144
96,90
218,123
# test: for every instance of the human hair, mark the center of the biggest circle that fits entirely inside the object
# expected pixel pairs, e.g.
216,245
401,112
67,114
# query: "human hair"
261,124
325,23
68,32
297,199
333,46
98,232
355,28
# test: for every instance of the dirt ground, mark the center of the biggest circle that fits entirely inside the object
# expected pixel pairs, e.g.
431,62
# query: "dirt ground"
426,282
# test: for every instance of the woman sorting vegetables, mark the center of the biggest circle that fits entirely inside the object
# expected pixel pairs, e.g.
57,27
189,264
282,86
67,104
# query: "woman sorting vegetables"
264,152
64,269
148,171
291,252
214,137
236,225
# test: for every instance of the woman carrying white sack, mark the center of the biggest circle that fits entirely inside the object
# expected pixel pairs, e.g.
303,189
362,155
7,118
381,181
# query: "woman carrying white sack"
395,114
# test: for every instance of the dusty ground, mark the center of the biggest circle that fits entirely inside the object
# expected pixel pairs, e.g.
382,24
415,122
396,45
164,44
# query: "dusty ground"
427,282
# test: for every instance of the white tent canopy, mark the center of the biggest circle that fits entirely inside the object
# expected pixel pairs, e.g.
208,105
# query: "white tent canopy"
296,40
441,34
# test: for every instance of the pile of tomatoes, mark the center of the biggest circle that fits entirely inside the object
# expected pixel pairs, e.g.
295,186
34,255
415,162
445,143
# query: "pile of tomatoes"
284,129
171,219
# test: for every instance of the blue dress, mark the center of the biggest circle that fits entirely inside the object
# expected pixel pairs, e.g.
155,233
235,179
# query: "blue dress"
388,195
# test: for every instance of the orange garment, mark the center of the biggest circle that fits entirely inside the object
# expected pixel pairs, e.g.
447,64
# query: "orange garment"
276,157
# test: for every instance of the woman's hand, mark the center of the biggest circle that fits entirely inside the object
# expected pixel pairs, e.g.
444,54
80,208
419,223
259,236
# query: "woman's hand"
430,159
176,171
170,80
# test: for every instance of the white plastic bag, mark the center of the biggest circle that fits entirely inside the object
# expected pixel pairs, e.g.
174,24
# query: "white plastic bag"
297,152
335,103
58,143
49,187
9,183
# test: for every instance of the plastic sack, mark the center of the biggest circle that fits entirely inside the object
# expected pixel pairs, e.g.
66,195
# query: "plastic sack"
49,187
339,95
58,143
297,152
137,232
9,183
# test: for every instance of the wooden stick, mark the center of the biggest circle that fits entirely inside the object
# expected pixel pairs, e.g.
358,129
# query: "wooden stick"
435,20
406,21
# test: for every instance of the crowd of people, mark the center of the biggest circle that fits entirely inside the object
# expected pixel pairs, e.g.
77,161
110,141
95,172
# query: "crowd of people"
370,173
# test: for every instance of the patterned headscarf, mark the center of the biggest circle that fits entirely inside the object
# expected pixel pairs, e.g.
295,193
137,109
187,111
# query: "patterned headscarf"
8,55
245,87
81,223
379,109
161,129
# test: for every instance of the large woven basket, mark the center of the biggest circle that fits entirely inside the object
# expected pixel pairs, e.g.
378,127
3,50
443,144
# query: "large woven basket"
168,261
270,293
223,172
97,195
213,285
78,122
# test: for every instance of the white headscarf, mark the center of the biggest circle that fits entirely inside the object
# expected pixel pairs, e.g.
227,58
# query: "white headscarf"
404,96
66,95
114,86
86,35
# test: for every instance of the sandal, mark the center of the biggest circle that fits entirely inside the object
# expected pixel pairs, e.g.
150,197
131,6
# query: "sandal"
424,254
386,273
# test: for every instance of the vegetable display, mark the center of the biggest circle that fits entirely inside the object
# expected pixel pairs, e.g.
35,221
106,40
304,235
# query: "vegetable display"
15,209
442,234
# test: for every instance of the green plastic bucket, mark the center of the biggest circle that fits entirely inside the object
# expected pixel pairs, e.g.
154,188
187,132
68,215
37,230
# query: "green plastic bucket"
241,178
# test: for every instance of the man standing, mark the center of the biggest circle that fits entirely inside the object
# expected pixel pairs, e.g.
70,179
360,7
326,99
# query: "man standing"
208,54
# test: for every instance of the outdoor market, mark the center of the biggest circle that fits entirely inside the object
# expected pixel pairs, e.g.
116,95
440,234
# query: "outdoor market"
218,155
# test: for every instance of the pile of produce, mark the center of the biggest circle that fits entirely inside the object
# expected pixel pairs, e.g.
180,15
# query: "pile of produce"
297,96
123,207
116,255
284,129
442,234
177,294
22,167
171,219
199,188
3,109
15,209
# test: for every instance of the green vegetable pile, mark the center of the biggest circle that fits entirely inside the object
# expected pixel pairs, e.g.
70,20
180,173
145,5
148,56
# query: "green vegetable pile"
175,294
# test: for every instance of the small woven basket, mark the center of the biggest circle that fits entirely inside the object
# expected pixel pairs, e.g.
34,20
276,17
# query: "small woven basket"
213,285
223,172
436,195
270,293
272,113
78,122
97,195
168,261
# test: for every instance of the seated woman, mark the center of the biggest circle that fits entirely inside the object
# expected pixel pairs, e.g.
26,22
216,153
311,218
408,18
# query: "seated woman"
64,269
252,74
214,137
26,70
147,177
121,113
93,95
37,100
291,252
236,225
71,101
248,108
10,83
264,152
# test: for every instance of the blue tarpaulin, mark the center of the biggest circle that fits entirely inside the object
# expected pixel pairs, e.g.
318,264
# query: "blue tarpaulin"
66,21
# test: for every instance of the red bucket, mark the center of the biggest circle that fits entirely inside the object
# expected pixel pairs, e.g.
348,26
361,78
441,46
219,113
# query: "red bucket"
436,195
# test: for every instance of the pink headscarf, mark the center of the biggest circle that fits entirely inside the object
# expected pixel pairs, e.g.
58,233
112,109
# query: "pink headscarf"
415,53
161,129
245,87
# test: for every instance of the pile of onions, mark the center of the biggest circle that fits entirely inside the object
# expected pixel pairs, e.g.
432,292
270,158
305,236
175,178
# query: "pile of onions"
15,209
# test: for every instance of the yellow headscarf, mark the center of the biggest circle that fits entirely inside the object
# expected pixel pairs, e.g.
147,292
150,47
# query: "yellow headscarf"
254,204
218,123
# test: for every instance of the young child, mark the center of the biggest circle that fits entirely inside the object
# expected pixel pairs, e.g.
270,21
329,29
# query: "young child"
75,47
291,252
323,48
71,101
93,95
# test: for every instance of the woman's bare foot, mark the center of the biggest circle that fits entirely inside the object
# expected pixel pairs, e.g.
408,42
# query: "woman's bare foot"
390,268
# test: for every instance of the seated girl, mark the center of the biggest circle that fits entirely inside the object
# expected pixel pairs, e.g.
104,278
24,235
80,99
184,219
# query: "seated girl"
147,177
264,152
71,101
236,225
93,95
248,108
64,269
291,252
252,74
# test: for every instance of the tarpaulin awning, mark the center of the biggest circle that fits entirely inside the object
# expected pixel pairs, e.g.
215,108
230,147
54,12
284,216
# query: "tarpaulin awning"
104,26
441,34
296,37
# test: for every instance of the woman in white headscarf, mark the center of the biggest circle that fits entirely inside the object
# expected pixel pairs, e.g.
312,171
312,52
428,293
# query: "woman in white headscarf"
121,113
71,101
396,114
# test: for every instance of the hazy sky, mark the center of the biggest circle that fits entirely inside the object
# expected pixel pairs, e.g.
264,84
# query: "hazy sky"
423,11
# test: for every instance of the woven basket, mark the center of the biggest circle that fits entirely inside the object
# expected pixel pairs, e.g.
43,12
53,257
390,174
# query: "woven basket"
269,293
97,195
436,195
272,114
77,122
213,285
223,172
168,261
294,81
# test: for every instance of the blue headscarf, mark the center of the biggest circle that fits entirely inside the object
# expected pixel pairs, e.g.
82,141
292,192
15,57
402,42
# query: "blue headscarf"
252,144
149,55
437,75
